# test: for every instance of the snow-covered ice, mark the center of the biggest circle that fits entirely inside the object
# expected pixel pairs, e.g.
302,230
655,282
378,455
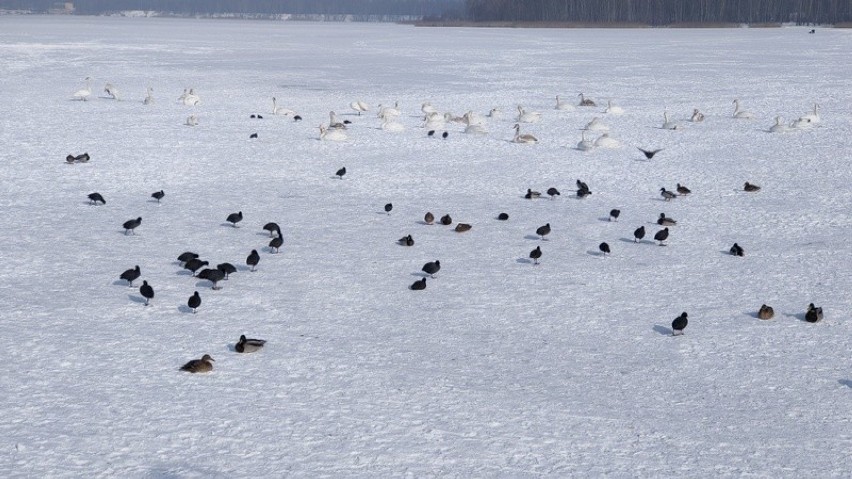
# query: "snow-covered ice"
498,368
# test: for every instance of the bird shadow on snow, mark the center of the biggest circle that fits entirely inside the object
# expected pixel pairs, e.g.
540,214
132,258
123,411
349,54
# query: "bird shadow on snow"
524,260
799,316
605,219
752,314
136,299
204,284
592,252
184,309
663,330
533,237
120,282
420,274
228,224
845,382
184,272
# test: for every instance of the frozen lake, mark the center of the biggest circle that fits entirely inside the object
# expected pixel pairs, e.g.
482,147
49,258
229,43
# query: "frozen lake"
499,368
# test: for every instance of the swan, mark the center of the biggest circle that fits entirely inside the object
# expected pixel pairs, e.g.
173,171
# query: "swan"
434,121
561,105
192,120
392,125
149,98
471,118
280,110
387,112
613,109
183,95
334,123
495,113
596,125
697,116
605,141
741,114
810,118
191,99
428,108
525,138
527,116
111,90
448,116
586,101
331,135
84,93
778,127
475,124
584,144
669,125
476,129
359,106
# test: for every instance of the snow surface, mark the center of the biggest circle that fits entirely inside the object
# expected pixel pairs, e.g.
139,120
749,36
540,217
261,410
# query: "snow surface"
499,368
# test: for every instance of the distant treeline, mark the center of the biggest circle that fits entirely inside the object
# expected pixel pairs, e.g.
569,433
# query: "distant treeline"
661,12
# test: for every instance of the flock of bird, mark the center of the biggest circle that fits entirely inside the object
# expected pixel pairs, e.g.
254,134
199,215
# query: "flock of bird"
434,121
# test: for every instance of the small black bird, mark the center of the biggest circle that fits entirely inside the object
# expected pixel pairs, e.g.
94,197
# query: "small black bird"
679,324
552,192
650,154
186,256
535,254
253,259
253,135
194,265
431,268
664,220
406,241
429,218
341,172
667,195
259,117
273,228
446,220
194,302
682,190
253,116
614,214
543,230
95,197
531,195
234,218
226,268
583,189
430,133
814,314
146,291
419,285
69,159
388,208
131,225
131,275
212,275
750,187
662,235
276,242
638,234
503,216
604,248
737,250
297,118
444,135
158,195
82,158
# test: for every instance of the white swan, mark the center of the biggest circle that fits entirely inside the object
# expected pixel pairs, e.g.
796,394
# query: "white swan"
471,118
613,109
475,129
741,114
149,97
387,112
596,125
586,101
183,95
192,120
450,117
83,94
812,117
495,113
434,121
191,99
778,127
697,116
527,116
392,125
331,135
334,123
525,138
605,141
669,125
280,110
561,105
359,106
111,90
428,108
584,144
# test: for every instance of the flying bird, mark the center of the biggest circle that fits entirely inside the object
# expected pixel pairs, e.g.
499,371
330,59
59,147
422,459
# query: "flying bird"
650,154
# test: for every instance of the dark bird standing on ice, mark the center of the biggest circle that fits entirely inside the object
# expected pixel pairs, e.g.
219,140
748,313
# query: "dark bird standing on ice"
446,220
666,194
276,242
212,275
553,192
253,135
531,195
503,216
444,135
194,302
737,250
406,241
226,268
664,220
158,195
194,265
662,235
679,324
253,259
94,198
604,248
131,275
186,256
814,314
418,285
272,228
431,268
682,190
765,312
650,154
583,189
146,291
535,254
203,365
388,208
234,218
248,345
750,187
614,214
638,234
543,230
341,172
131,225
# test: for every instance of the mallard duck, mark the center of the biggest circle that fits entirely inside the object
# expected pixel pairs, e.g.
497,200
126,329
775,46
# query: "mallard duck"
246,345
203,365
765,312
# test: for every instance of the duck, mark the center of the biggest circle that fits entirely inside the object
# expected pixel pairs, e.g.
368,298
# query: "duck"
203,365
446,220
523,138
248,345
737,250
765,312
586,101
234,218
532,194
667,195
405,241
95,198
750,187
462,227
662,235
813,314
664,220
683,190
741,114
697,116
428,218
